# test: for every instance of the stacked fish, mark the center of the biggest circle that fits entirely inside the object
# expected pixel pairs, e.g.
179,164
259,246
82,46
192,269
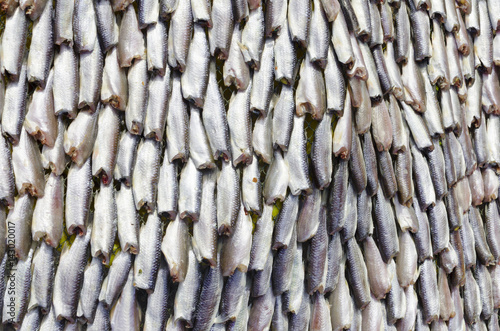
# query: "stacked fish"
350,182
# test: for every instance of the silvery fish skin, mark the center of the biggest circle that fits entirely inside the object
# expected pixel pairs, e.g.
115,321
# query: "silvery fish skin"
106,144
377,36
403,172
221,31
47,222
240,10
101,320
484,282
66,81
382,127
421,32
235,70
261,312
276,17
42,47
27,166
89,296
19,218
127,220
280,318
105,223
408,321
438,223
413,84
300,320
167,7
386,227
210,297
181,27
130,39
125,314
335,84
228,198
428,290
69,277
252,38
149,11
456,76
175,248
188,291
437,168
319,35
91,69
285,59
190,187
168,189
382,71
296,159
215,120
156,313
135,113
342,135
125,157
396,298
240,127
299,15
474,102
357,166
285,224
43,271
341,41
406,261
40,121
481,245
194,79
492,125
372,82
476,187
338,196
232,293
357,274
205,229
107,28
201,12
15,301
78,197
387,178
317,267
262,240
283,266
421,172
116,279
350,214
177,123
483,42
418,128
393,72
293,297
145,174
63,22
310,95
159,90
472,299
80,136
341,315
156,41
359,69
84,27
114,89
364,226
492,229
402,31
14,40
379,275
433,110
241,237
262,135
251,187
262,81
32,320
490,92
446,306
199,147
14,107
283,115
149,253
321,153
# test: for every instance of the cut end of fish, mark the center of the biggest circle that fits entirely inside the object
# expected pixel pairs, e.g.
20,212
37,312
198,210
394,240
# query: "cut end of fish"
190,215
115,101
225,230
136,128
146,205
80,230
28,188
103,256
170,214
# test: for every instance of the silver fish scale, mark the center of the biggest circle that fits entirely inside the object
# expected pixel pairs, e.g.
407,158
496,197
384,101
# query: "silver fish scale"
468,284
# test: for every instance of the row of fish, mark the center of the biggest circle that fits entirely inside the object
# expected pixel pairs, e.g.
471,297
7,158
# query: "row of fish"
349,182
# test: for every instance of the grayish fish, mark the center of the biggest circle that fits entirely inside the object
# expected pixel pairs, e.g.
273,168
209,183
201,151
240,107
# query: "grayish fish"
285,59
114,89
190,186
285,224
145,174
483,42
159,89
252,38
418,128
341,315
147,261
91,286
125,314
232,294
240,127
413,84
335,84
63,22
168,192
428,291
276,17
396,299
235,70
188,292
387,178
91,70
283,266
84,26
337,198
421,32
66,81
310,94
472,299
127,220
107,28
228,198
32,320
262,81
342,135
14,107
199,146
69,277
262,240
156,41
47,222
42,278
14,40
106,144
177,124
131,40
357,275
402,30
116,279
406,260
296,159
364,226
438,224
78,197
319,35
321,153
283,115
221,31
149,11
156,313
105,223
125,157
379,276
175,248
393,72
386,226
19,219
262,135
101,320
293,297
42,47
251,187
205,229
194,79
135,113
201,12
261,311
299,14
79,137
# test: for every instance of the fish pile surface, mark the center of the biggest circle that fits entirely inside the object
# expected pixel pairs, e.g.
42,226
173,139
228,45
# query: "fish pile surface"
250,165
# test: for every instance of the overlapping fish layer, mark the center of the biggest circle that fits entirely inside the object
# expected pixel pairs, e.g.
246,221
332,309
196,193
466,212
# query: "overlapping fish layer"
250,165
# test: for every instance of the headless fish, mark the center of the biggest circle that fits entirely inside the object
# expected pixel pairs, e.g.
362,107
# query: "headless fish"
84,27
106,144
116,279
222,28
235,70
145,175
131,40
199,146
177,132
252,38
107,28
240,127
89,296
19,218
125,157
78,197
251,188
114,89
135,112
296,159
105,223
66,82
156,52
91,70
190,191
156,312
14,107
42,47
63,22
228,198
262,81
175,248
125,314
127,220
14,43
80,136
310,95
168,189
188,292
159,90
